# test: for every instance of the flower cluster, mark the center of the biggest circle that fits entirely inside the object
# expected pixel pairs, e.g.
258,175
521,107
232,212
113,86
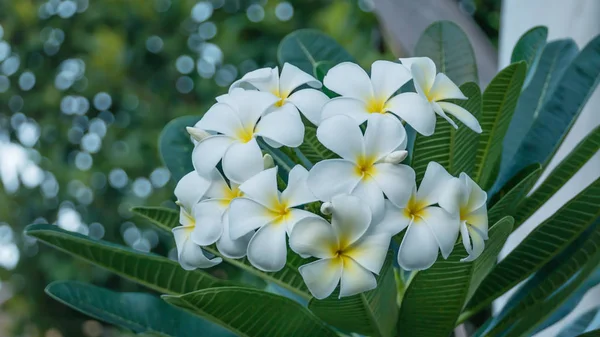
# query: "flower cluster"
367,195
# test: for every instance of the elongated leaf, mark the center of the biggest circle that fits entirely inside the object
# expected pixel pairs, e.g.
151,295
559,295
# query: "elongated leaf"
176,148
505,202
555,60
435,297
593,333
552,288
252,313
288,278
373,313
558,115
580,325
543,244
560,175
165,218
529,49
498,105
449,47
138,312
152,271
305,48
451,148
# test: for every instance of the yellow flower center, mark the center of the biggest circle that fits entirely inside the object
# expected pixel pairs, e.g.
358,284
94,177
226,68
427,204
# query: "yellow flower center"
280,212
415,208
376,105
282,97
245,135
365,166
230,194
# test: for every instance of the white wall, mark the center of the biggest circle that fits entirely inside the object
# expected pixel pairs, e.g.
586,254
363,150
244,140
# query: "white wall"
579,20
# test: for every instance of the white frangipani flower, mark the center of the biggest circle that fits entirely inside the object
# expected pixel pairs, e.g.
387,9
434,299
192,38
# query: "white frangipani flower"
369,167
264,208
362,96
419,109
237,120
348,252
189,190
465,199
309,101
430,228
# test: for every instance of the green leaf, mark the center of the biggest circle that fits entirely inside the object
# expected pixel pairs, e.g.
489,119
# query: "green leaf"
451,148
435,297
529,49
593,333
499,102
562,173
373,313
449,47
138,312
543,244
153,271
555,59
306,48
176,148
288,278
579,326
312,148
252,313
505,202
548,290
559,114
165,218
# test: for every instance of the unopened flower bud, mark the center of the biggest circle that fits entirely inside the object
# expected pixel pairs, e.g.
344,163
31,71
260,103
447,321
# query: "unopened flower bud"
268,161
396,157
197,133
327,208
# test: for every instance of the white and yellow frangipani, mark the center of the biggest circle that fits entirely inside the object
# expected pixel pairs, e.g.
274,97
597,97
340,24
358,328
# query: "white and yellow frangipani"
264,208
369,165
189,190
429,228
361,96
283,87
419,109
466,200
349,254
238,119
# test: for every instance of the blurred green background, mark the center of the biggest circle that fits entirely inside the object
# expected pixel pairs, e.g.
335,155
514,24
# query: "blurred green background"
86,87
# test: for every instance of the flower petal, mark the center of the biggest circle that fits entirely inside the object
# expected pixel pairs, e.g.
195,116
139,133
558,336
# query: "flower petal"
252,104
190,189
284,126
233,249
477,196
444,88
314,236
433,184
219,189
415,110
262,188
396,181
355,279
295,216
419,249
297,192
462,115
310,102
263,79
341,135
444,226
350,80
387,78
384,134
242,160
476,244
208,153
393,222
246,215
453,196
347,106
370,251
267,249
331,177
322,276
190,255
292,77
438,110
425,67
370,193
478,219
350,219
209,222
221,118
